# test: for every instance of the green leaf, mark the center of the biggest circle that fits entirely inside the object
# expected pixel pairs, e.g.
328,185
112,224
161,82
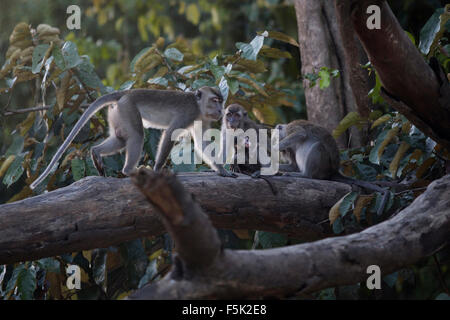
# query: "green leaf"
38,57
250,50
136,58
217,71
443,296
59,58
324,79
347,203
338,226
89,77
127,85
174,54
70,54
14,172
13,280
434,30
78,168
159,80
271,240
99,266
16,146
49,264
391,279
150,273
274,53
26,283
224,89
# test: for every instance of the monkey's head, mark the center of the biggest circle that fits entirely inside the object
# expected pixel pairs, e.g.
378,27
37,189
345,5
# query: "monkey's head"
210,101
282,130
235,114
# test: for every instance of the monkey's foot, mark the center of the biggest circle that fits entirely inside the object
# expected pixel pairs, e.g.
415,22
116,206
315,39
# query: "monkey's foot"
99,166
227,174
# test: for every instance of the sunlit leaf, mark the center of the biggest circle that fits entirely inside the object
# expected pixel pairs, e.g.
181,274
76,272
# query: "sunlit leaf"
193,13
250,50
174,54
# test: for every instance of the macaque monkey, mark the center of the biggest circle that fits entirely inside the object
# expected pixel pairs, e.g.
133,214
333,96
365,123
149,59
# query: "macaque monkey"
235,118
313,153
133,110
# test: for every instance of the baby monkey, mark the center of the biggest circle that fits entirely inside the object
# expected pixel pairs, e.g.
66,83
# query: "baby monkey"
236,118
313,153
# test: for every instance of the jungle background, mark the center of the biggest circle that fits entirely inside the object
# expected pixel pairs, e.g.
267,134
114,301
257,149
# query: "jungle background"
188,44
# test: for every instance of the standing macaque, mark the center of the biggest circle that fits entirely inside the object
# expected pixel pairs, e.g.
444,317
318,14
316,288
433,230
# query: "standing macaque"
133,110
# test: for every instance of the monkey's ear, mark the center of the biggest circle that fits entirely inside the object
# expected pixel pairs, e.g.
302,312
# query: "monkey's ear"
198,94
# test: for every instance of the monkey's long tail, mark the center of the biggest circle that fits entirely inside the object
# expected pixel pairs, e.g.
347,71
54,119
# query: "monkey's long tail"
97,105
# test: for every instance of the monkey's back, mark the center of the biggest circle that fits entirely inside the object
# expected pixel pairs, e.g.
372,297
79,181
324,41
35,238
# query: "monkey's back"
321,134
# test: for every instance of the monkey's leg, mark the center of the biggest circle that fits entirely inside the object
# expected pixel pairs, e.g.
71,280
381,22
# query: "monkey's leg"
111,145
164,148
133,153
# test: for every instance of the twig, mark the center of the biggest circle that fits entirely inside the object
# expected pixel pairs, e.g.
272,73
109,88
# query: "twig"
33,109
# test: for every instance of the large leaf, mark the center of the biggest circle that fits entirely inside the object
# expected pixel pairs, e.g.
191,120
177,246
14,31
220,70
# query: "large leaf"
70,53
250,50
78,168
16,146
174,54
271,240
26,283
14,172
434,29
89,77
39,57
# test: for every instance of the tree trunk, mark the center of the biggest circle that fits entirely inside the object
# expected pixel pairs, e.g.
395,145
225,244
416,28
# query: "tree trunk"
321,46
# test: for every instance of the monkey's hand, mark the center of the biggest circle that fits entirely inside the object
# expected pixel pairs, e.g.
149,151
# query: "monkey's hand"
224,173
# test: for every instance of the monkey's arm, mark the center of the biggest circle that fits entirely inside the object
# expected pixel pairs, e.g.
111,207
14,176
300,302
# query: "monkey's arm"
292,139
210,161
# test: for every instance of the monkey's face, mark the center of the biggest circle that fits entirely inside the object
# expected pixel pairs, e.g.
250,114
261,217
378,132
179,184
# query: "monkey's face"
234,115
211,103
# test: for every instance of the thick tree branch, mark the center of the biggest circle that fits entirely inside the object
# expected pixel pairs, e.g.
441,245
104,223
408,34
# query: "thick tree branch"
416,232
96,212
403,71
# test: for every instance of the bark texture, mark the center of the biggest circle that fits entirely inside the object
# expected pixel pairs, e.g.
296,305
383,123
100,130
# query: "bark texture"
321,46
99,212
418,91
416,232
